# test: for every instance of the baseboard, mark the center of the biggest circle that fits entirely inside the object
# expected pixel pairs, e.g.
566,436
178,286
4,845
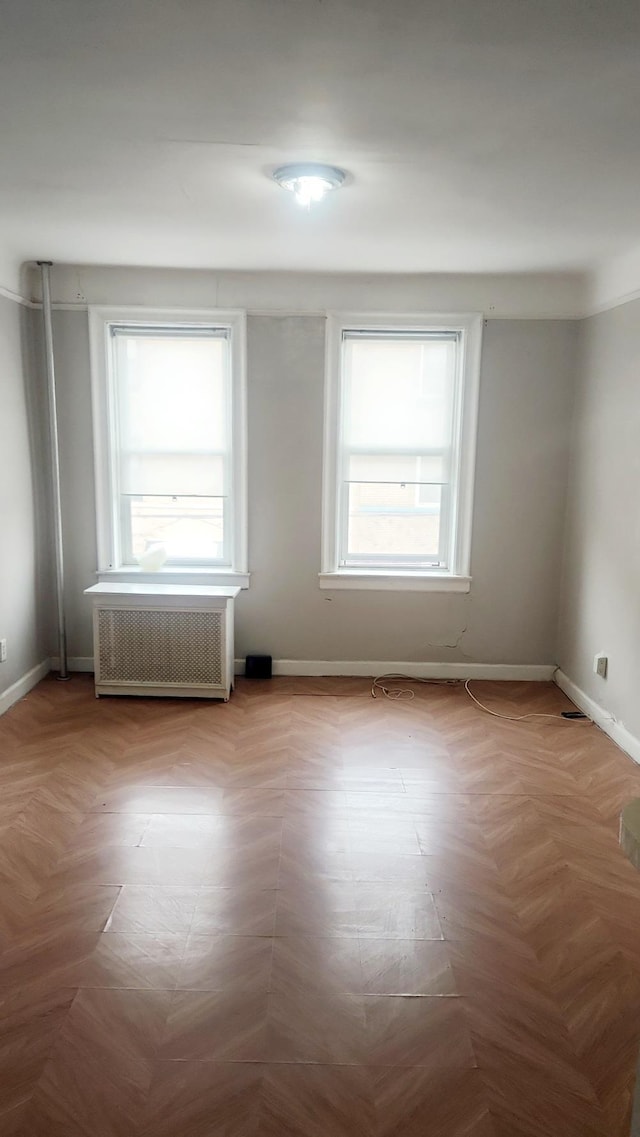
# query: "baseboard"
604,719
371,668
74,663
22,686
541,672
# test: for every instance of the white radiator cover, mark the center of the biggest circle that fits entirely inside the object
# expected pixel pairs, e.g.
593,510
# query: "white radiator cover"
163,640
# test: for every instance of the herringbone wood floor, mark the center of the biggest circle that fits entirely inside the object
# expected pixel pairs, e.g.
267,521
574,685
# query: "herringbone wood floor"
314,917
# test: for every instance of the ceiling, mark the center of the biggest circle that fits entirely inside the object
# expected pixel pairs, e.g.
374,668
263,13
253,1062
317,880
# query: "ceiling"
479,135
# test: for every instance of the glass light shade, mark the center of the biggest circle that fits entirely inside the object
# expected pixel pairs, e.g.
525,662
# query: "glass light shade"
309,183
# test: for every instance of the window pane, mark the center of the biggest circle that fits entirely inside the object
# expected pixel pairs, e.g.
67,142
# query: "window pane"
173,417
399,393
191,529
393,522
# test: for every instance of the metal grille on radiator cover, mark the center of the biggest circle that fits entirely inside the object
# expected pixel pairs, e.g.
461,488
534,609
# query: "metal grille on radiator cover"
158,646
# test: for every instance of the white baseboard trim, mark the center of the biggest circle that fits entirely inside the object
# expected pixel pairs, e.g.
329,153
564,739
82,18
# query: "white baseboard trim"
604,719
74,663
22,686
370,668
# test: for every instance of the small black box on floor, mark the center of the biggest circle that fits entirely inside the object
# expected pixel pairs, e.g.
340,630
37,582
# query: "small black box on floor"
257,667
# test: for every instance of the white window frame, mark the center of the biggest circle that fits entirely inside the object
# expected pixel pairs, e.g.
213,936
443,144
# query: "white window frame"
456,578
110,566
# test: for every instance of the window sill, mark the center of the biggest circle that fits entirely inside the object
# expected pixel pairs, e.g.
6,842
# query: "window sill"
173,574
394,581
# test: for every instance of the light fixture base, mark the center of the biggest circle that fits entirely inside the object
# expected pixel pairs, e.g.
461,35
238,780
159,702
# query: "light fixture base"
309,181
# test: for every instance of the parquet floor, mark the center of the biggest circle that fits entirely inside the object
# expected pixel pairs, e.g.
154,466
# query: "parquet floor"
314,917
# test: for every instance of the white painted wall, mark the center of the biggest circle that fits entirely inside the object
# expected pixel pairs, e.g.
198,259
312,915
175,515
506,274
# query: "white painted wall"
24,607
509,616
498,295
601,574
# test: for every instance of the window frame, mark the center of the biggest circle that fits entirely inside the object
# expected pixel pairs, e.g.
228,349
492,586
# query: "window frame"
108,520
455,578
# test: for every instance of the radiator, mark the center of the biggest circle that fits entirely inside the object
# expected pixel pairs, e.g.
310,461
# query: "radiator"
163,640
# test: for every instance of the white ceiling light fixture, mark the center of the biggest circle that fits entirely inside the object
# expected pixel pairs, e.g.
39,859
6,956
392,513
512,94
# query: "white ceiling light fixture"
309,182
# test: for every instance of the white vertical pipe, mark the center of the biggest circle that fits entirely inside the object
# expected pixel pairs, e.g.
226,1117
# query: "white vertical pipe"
55,467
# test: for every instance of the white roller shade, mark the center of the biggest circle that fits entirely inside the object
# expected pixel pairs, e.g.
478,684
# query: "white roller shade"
171,475
173,411
399,393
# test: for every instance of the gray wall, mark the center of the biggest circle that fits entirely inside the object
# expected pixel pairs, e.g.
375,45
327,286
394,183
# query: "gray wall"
24,619
601,573
510,615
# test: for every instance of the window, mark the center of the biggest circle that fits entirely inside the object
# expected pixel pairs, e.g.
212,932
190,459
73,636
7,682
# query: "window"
169,413
400,426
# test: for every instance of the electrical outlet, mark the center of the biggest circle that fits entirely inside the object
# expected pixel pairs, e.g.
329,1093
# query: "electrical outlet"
600,665
3,651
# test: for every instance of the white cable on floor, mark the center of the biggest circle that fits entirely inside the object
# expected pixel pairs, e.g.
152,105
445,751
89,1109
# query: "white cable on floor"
404,692
512,718
397,693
